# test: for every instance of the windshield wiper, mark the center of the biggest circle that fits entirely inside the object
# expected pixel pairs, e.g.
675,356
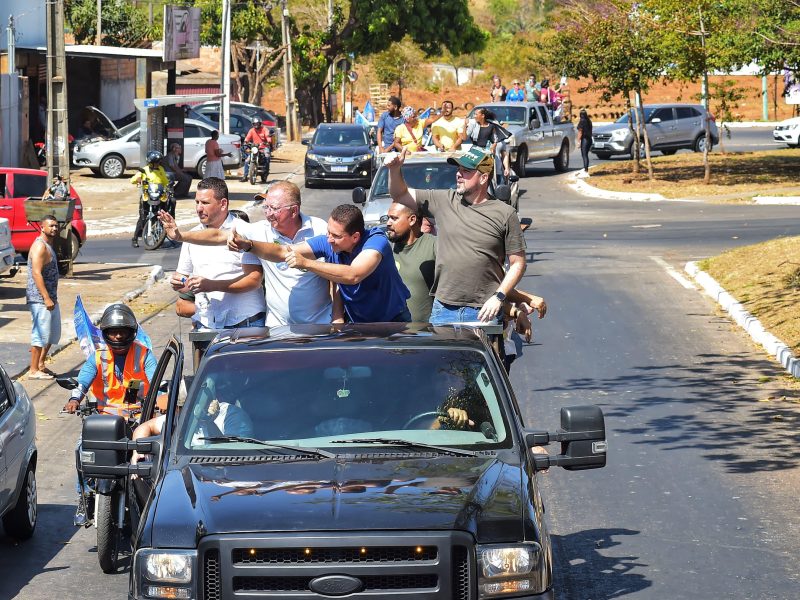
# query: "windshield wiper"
407,444
249,440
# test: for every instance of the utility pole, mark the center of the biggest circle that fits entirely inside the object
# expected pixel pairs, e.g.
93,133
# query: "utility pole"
225,104
98,37
331,67
57,127
292,120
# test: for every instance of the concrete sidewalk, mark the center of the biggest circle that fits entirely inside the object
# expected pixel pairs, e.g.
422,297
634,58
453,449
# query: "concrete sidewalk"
111,205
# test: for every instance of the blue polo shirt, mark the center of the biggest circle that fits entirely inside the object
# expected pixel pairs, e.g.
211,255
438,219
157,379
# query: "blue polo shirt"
382,295
387,123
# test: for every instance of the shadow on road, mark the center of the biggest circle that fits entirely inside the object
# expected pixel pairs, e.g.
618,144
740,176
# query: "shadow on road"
594,575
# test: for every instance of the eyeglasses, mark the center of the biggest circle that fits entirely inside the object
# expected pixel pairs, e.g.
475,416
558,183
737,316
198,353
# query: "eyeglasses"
273,209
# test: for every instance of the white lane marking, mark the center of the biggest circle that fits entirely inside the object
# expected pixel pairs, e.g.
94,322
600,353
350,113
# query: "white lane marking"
652,226
673,273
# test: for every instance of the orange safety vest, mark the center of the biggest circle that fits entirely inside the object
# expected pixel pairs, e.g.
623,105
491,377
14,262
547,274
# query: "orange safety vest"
109,390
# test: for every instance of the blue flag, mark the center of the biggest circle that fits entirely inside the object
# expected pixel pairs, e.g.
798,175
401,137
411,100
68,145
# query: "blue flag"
90,337
425,115
361,119
369,112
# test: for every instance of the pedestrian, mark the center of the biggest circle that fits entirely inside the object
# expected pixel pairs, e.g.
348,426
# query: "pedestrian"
227,293
359,260
544,92
214,156
41,296
485,132
448,132
415,256
175,171
497,93
516,93
387,123
584,129
476,235
532,89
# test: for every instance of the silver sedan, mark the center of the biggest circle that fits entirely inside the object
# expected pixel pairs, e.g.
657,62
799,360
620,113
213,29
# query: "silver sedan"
111,157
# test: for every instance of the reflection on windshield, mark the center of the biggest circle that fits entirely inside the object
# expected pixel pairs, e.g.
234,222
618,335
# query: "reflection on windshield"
312,398
507,114
648,112
420,176
340,137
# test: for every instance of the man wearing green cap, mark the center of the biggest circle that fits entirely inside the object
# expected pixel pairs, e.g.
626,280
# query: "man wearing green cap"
476,233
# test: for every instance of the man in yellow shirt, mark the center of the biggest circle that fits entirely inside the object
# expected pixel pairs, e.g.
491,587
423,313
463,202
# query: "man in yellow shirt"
409,136
449,131
152,173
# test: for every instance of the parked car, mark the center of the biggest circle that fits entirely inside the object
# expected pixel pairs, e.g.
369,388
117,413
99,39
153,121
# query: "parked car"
788,132
373,489
188,111
7,252
421,170
246,113
670,127
111,156
341,152
18,456
534,135
16,186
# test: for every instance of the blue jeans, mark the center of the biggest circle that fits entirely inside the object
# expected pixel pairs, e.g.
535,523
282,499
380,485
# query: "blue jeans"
444,314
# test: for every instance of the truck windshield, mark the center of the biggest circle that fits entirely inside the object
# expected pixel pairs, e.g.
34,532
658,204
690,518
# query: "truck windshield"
421,176
648,112
322,398
510,115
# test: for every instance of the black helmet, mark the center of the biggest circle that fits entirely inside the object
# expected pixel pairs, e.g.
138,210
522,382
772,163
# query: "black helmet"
154,156
256,122
119,316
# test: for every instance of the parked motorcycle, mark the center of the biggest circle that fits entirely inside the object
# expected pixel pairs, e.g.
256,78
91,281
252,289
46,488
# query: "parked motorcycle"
106,501
259,158
156,196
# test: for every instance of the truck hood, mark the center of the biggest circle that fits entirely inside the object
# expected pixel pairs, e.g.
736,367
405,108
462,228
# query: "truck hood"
481,495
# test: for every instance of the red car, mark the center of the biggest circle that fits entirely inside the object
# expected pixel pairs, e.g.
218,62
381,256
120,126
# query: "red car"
16,185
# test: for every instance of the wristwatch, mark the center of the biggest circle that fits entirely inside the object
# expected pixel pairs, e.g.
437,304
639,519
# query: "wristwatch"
500,295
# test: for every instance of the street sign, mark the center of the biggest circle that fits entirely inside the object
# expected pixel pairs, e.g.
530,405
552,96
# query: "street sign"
352,76
150,103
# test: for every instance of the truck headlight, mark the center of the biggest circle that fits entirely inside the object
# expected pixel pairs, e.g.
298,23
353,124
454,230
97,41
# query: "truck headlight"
165,573
505,570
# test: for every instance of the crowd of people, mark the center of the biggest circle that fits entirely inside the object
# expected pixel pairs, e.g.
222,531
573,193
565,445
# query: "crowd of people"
531,91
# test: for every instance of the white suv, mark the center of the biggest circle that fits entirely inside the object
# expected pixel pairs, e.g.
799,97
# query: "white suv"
788,132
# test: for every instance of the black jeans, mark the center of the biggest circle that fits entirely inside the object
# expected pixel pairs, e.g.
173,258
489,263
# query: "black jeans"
586,143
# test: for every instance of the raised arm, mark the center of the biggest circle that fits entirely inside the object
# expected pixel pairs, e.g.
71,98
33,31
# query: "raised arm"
398,189
203,237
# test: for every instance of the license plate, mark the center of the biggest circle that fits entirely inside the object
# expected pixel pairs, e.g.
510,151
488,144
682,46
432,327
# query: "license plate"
339,169
599,144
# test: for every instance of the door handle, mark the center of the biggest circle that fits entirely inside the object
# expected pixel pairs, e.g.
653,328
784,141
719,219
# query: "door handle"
5,208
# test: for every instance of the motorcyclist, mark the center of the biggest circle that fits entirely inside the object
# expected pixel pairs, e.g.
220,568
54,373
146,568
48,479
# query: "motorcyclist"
152,173
112,371
257,135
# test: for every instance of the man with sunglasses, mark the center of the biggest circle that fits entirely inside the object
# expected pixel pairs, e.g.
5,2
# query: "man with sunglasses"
476,234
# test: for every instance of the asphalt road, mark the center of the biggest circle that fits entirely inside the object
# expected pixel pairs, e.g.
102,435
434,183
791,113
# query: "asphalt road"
697,499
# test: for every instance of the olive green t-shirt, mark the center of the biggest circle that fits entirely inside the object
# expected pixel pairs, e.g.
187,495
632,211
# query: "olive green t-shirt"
471,247
416,266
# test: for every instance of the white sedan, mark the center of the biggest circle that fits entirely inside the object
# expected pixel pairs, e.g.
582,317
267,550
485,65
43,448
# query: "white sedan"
111,157
788,132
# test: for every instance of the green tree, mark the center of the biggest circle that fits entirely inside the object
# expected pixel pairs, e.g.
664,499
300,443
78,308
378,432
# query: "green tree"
122,24
519,16
399,65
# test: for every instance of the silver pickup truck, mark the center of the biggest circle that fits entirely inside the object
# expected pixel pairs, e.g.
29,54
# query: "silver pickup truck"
535,137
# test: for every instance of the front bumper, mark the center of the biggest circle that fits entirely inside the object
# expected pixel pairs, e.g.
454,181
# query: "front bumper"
786,136
611,146
325,171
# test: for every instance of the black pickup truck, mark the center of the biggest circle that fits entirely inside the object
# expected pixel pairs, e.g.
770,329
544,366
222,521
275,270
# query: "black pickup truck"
358,461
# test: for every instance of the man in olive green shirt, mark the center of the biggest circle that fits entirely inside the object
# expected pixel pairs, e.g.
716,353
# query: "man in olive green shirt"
415,257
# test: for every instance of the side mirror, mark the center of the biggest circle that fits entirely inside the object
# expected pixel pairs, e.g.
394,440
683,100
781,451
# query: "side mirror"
655,120
502,192
359,195
305,142
68,383
582,436
105,447
535,124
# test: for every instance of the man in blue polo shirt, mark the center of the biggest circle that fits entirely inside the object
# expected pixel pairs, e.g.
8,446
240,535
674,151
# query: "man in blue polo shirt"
359,260
388,123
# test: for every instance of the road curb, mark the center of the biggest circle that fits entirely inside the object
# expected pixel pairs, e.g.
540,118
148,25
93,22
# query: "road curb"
779,200
580,185
745,320
156,274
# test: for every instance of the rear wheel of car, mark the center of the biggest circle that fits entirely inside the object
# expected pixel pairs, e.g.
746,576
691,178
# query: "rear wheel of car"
603,155
561,160
700,144
112,166
522,159
201,168
21,520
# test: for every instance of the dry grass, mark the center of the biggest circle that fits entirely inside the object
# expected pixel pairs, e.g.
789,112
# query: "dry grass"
735,176
765,278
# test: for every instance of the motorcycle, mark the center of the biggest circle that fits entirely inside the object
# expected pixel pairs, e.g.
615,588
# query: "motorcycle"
259,158
156,196
107,501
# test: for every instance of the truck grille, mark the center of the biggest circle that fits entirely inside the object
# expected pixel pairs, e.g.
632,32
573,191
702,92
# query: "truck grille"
433,566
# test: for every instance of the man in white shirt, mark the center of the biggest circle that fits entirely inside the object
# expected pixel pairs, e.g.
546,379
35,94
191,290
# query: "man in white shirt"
227,292
292,295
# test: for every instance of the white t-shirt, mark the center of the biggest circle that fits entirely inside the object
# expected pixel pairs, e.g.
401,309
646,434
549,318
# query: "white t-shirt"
292,296
217,262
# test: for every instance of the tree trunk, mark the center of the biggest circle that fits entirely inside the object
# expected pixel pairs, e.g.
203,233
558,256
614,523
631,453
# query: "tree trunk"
633,127
310,102
648,159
